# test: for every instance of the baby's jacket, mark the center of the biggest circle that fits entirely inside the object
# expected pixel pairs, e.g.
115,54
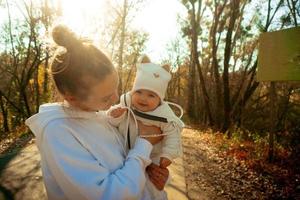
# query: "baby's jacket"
162,117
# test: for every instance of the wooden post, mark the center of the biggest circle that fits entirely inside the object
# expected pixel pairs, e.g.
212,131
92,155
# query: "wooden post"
273,115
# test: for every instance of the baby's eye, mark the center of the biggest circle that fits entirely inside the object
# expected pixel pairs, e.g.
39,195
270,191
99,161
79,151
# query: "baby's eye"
151,95
139,92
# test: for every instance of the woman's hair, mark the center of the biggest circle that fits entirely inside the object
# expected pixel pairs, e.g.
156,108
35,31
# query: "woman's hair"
78,65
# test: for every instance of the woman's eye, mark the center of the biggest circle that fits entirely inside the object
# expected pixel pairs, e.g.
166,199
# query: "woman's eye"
106,100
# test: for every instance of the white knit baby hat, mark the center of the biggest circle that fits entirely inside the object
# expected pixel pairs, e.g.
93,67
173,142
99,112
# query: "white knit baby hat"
150,76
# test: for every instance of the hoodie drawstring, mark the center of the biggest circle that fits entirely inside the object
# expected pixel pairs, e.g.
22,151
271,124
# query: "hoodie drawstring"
177,106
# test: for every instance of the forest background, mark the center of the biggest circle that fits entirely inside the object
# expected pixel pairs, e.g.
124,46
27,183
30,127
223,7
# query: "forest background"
214,65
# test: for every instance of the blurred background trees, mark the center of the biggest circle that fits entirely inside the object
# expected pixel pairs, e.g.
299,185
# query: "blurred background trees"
24,61
214,62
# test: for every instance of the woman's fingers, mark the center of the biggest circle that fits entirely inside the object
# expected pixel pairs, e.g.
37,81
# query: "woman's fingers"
157,183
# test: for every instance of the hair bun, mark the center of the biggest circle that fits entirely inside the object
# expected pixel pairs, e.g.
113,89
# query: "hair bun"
63,36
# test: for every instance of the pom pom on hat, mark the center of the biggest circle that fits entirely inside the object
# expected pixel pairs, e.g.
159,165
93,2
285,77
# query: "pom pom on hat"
143,59
150,76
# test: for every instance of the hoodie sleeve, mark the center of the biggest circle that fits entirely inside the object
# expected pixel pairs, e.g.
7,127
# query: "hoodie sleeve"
81,176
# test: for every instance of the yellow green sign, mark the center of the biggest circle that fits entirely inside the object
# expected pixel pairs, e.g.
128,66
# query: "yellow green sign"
279,55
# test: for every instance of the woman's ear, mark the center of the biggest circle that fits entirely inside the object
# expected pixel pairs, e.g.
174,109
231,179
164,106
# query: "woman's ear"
166,67
69,98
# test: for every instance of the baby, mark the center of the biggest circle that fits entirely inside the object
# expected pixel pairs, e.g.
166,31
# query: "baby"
146,102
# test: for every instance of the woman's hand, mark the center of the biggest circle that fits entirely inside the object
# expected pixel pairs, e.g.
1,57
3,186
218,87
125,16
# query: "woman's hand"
157,175
164,162
145,130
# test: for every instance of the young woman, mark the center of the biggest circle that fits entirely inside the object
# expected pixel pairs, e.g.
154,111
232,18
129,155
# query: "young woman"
82,155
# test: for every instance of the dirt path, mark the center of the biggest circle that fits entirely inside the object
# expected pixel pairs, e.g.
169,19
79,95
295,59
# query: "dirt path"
22,177
209,175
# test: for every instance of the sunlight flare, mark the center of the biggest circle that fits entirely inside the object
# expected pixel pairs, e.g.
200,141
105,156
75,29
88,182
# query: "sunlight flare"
83,16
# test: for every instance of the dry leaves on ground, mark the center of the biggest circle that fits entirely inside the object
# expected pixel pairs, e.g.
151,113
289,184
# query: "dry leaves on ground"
210,174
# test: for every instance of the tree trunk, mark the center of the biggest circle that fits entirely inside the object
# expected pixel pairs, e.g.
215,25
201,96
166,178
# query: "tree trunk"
37,90
121,48
191,93
47,19
227,54
195,22
215,67
129,74
4,114
46,78
26,103
178,85
285,105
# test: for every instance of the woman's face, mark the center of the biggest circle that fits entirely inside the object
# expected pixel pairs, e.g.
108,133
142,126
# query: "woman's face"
102,95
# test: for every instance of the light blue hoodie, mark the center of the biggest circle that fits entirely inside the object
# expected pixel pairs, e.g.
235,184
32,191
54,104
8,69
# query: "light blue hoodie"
83,156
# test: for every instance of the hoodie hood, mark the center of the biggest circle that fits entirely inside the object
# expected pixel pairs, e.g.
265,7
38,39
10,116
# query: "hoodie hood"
51,111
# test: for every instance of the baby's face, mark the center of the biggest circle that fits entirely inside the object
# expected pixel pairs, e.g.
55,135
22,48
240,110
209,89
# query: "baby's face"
145,100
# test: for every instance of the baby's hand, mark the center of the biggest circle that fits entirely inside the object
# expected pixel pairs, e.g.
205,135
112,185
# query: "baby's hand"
164,162
115,113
